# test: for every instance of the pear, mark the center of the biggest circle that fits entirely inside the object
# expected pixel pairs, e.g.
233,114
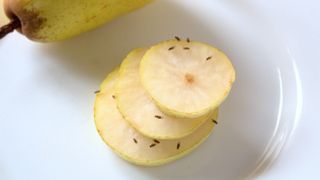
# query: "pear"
3,18
141,112
56,20
133,146
186,79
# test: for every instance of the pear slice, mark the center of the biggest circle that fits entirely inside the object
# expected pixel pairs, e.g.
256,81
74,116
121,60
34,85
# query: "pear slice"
139,110
128,143
186,79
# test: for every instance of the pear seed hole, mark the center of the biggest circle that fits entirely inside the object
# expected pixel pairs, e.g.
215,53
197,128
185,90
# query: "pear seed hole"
189,78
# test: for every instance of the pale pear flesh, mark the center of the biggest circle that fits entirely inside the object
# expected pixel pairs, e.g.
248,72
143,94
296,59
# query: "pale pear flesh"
131,145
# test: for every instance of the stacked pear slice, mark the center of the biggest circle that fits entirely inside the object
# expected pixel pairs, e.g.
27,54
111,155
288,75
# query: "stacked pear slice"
163,101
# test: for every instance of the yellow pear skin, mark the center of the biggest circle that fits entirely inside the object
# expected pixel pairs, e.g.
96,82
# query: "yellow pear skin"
56,20
3,18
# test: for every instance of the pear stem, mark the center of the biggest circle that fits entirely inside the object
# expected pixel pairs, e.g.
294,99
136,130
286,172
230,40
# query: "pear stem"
8,28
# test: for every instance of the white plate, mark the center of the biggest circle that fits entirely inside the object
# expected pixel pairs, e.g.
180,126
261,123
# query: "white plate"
47,94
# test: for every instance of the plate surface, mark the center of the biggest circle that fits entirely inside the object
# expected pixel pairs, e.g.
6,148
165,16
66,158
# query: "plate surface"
46,117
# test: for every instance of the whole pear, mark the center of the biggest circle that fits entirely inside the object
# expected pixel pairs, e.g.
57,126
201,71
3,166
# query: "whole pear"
56,20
